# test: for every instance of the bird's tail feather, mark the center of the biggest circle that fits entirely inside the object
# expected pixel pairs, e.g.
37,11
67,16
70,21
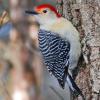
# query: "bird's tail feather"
74,88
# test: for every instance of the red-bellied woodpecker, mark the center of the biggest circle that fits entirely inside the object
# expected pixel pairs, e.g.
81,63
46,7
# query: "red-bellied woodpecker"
59,44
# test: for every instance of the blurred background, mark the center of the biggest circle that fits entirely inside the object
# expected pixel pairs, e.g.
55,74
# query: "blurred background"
22,73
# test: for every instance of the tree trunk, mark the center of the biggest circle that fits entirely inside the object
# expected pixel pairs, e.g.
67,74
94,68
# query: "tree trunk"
85,16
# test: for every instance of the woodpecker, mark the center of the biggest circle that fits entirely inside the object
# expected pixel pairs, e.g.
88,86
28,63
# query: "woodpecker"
59,44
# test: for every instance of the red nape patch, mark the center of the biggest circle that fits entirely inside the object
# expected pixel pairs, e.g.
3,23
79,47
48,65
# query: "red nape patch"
50,7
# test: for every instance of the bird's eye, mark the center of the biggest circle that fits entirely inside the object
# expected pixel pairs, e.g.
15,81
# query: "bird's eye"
44,11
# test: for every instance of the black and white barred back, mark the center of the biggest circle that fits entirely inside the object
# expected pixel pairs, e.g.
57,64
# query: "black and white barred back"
55,51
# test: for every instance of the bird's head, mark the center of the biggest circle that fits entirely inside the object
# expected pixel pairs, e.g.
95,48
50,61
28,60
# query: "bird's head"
45,14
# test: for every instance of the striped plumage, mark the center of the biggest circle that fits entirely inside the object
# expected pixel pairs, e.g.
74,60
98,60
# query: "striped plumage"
59,44
55,51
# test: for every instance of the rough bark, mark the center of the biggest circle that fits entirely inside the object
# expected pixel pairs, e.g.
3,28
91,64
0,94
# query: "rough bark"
85,16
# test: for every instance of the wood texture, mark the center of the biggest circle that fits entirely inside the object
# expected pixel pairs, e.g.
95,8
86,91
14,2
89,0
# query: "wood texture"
85,16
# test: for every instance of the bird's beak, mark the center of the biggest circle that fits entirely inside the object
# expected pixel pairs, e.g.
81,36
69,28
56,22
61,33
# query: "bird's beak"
32,12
